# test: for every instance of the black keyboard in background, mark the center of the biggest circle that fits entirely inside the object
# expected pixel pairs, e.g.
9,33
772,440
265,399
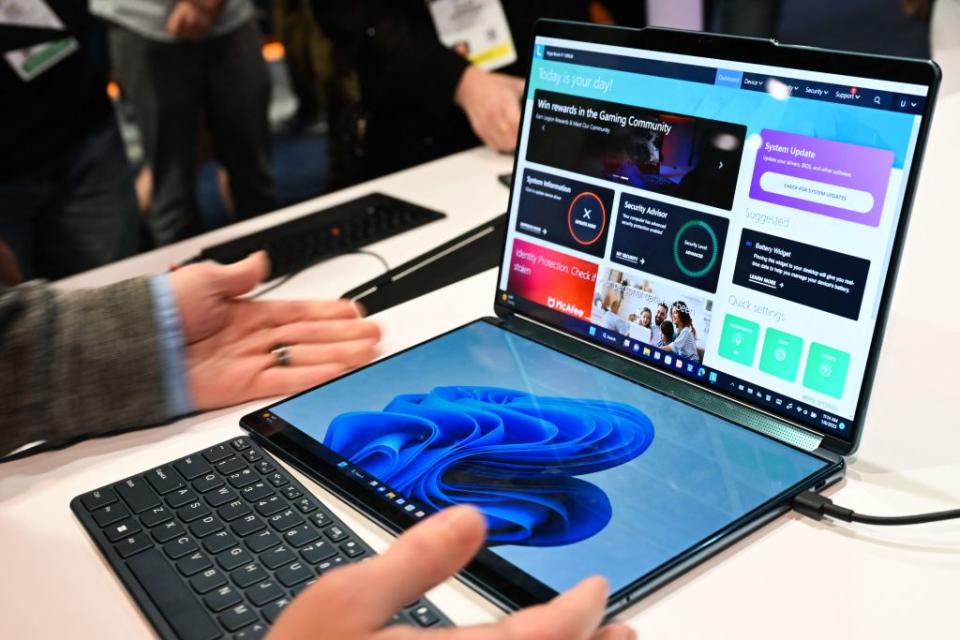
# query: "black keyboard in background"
319,236
216,544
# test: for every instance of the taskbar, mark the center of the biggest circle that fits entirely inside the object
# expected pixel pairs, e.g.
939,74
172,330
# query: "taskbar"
355,473
687,368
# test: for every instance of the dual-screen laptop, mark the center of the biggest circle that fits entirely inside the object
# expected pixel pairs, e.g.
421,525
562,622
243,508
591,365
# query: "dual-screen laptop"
703,238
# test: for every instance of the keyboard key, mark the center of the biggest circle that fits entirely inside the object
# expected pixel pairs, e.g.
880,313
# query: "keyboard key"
270,506
230,465
233,510
133,545
248,574
99,498
217,453
424,616
168,531
332,563
336,534
265,467
320,519
222,598
238,617
219,542
247,525
181,497
205,526
192,467
291,492
208,581
123,529
193,511
155,516
273,610
264,592
242,478
252,456
278,556
351,549
285,520
233,558
263,541
165,588
240,444
305,505
318,552
294,573
109,514
277,479
209,482
256,491
194,563
164,479
256,631
180,547
299,536
137,494
221,496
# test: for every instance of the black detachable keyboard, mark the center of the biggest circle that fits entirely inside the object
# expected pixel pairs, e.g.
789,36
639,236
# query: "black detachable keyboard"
217,543
318,236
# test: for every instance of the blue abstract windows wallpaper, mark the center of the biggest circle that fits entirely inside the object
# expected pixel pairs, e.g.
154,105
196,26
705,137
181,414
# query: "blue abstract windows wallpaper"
515,455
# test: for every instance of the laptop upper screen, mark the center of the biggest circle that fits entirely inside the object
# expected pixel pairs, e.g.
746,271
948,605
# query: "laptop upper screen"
732,223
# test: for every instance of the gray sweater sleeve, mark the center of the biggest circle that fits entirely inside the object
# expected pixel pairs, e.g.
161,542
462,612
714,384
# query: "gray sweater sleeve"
77,364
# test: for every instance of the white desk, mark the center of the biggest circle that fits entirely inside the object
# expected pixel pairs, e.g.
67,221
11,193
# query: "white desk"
847,581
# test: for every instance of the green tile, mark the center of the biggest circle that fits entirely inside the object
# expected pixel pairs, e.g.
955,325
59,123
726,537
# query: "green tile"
738,341
781,354
826,370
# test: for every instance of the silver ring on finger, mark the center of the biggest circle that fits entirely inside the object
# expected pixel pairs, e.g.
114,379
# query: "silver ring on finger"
281,354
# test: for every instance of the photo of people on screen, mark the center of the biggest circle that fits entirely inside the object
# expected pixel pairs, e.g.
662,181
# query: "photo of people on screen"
653,313
683,340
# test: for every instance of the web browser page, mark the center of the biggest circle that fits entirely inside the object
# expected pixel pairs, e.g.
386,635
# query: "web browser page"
729,222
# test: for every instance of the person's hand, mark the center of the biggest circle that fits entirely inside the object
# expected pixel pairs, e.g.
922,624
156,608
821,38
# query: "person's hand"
190,20
354,602
492,104
229,341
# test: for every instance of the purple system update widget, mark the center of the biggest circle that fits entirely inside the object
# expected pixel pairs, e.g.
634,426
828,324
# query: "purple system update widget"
835,179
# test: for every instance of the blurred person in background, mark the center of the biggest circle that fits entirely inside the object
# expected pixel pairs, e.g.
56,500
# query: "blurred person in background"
945,41
754,18
183,65
325,86
67,202
433,81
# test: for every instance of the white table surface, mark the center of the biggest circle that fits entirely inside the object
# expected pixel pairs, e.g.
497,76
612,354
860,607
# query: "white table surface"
793,579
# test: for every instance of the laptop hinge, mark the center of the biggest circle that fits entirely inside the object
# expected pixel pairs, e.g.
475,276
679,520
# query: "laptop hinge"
740,413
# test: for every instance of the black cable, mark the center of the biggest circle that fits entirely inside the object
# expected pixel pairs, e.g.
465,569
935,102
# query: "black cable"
386,265
285,279
815,506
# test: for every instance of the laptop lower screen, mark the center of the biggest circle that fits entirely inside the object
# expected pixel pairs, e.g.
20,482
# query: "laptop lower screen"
732,223
577,470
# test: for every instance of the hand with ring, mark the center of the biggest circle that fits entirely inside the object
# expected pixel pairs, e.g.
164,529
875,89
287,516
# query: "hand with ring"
238,350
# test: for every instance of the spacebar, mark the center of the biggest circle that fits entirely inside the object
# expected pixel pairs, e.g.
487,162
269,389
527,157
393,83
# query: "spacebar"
172,597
